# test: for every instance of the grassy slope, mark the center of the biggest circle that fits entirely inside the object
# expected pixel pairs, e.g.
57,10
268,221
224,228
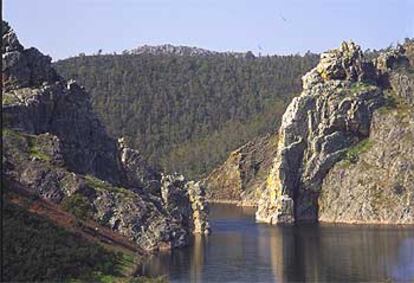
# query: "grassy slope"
44,243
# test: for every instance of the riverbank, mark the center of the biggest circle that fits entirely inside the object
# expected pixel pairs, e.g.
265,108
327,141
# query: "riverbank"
235,202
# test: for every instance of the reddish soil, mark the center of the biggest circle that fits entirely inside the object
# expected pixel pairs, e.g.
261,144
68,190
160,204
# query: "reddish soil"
88,230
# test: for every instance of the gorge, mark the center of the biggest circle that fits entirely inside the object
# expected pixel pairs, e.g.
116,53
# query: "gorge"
342,153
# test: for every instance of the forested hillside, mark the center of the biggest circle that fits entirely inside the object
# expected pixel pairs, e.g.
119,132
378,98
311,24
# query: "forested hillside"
187,112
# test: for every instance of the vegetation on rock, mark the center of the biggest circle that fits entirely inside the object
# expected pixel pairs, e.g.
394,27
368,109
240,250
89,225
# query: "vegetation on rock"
338,117
352,154
37,250
78,205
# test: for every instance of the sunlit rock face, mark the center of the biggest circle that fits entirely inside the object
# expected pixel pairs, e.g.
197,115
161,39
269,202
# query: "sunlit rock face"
320,127
199,207
242,177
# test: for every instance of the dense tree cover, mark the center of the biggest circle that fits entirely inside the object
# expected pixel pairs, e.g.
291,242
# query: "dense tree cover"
186,113
37,250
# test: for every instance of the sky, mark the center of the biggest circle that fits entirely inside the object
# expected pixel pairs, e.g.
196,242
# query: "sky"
64,28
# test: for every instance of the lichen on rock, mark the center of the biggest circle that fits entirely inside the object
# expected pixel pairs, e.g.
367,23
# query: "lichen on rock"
333,113
376,187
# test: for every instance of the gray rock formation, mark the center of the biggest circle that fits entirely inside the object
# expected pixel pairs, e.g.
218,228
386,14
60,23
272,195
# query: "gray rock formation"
136,170
171,49
199,207
179,50
402,85
56,147
377,187
23,67
37,101
332,114
392,59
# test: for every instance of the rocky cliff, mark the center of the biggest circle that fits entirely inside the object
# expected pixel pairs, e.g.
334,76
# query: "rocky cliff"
169,49
166,49
242,177
335,160
56,147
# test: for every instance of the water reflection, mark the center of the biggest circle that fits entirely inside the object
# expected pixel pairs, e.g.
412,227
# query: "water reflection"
239,250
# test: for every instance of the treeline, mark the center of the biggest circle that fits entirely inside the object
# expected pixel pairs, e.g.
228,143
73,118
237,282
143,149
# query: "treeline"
186,113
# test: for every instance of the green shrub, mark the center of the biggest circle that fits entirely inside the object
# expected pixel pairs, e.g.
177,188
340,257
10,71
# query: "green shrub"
101,185
35,249
353,153
78,205
97,184
360,87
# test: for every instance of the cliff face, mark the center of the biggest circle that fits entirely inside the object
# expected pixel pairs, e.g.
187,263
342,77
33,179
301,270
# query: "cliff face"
377,187
56,147
330,121
37,101
377,184
242,177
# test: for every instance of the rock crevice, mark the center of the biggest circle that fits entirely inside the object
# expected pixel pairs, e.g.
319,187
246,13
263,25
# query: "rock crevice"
332,114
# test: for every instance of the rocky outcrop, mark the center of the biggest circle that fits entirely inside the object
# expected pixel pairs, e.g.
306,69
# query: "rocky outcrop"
391,59
171,49
199,207
136,170
184,200
242,177
402,86
56,147
38,104
333,114
23,67
377,185
179,50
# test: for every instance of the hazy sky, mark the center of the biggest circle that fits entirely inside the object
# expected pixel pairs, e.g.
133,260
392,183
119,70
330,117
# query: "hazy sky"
62,28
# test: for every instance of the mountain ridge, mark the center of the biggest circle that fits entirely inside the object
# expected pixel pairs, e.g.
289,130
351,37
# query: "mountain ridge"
186,113
184,50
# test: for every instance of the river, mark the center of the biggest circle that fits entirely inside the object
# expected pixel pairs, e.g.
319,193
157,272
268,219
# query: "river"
240,250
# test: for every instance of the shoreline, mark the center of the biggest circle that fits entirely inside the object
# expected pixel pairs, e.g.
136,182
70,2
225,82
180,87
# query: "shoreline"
230,201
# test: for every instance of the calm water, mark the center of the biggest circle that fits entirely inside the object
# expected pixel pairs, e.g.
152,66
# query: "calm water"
239,250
